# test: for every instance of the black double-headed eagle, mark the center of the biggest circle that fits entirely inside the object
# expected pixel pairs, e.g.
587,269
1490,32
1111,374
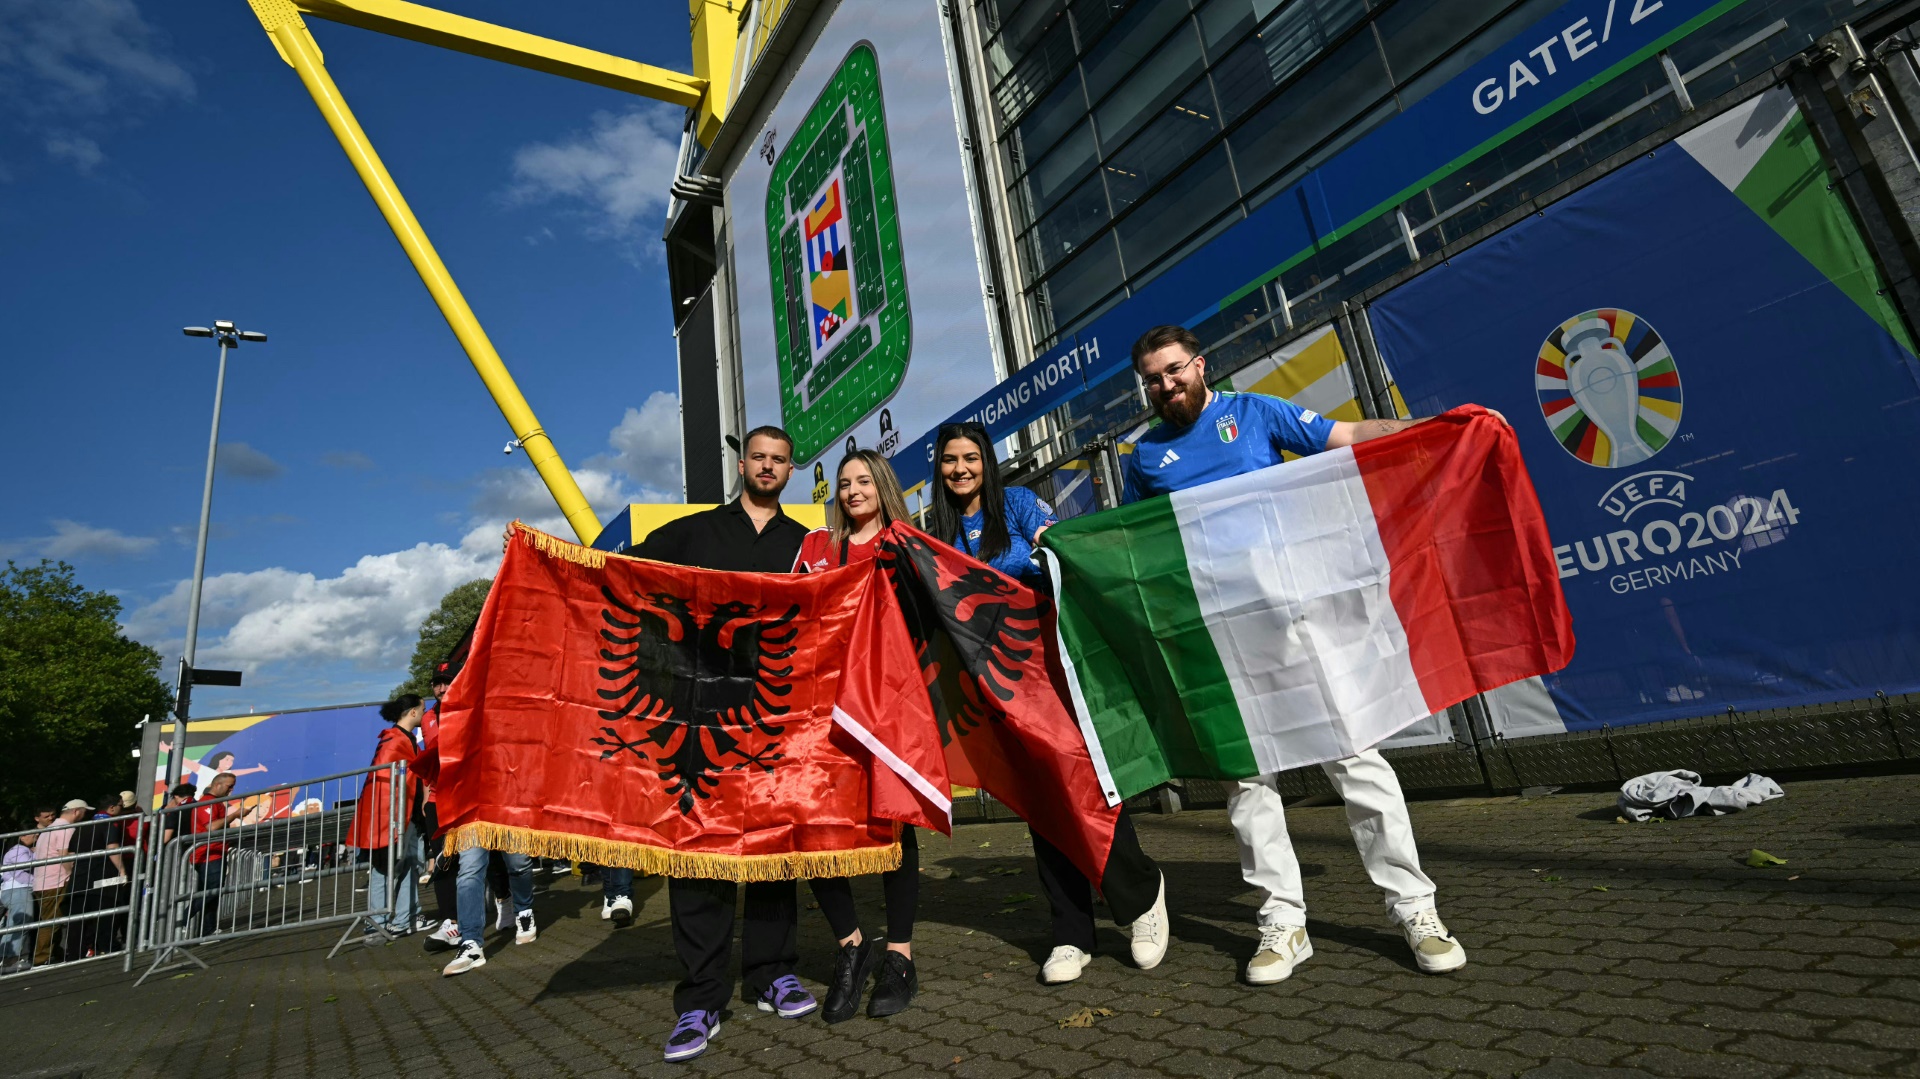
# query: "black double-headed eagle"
702,701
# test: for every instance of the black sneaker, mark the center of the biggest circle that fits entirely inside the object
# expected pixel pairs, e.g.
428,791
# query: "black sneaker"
852,970
896,988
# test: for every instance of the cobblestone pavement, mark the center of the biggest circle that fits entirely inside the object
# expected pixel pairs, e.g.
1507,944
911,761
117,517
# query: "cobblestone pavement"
1596,948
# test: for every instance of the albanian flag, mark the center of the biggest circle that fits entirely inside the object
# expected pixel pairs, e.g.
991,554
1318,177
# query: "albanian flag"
688,722
986,645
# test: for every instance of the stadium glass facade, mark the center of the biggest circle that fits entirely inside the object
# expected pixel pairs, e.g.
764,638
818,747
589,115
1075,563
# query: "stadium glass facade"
1129,134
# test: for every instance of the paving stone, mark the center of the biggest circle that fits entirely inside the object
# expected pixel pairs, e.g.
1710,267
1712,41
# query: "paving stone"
1689,965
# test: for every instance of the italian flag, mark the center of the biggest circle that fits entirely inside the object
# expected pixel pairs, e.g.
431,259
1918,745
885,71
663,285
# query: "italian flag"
1305,612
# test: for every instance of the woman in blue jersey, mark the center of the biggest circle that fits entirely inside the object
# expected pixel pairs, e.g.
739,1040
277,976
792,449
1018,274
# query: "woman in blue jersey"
996,524
1000,525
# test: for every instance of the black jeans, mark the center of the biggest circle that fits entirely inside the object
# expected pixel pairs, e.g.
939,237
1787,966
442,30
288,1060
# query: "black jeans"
1131,885
900,886
703,937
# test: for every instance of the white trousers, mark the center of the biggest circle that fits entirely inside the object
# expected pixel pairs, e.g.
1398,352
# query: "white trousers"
1377,814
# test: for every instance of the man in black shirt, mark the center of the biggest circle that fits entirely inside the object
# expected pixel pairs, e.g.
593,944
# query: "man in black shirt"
750,535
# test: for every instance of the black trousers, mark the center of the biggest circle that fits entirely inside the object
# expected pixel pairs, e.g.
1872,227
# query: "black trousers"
446,868
900,886
703,937
1131,885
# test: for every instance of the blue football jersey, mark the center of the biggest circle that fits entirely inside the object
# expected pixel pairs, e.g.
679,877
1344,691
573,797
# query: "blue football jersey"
1236,433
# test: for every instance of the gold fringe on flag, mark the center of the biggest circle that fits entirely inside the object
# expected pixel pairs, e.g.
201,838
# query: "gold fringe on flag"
665,862
559,548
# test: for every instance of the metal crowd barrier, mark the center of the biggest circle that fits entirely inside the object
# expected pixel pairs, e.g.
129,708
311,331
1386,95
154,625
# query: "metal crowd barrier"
280,861
86,915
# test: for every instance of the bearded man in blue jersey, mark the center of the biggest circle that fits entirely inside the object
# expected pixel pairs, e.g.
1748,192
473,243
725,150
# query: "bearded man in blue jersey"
1209,435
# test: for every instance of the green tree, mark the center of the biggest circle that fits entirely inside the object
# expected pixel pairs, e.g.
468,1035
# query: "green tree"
459,609
72,689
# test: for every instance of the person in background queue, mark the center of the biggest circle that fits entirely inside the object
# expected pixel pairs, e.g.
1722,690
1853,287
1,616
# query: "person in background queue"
747,535
16,905
443,868
212,813
1000,526
50,881
1209,435
372,819
867,499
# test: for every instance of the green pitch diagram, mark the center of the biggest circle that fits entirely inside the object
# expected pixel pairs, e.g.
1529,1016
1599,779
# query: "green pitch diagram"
841,322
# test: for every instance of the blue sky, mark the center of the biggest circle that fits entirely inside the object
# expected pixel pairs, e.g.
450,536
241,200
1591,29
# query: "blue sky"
161,167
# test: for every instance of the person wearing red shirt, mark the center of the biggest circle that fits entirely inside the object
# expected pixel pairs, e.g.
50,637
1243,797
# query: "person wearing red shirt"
867,500
209,859
372,818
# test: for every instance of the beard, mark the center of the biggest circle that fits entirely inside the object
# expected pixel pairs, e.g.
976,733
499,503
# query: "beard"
765,486
1183,408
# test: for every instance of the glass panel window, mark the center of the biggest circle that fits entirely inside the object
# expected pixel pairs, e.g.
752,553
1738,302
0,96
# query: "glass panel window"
1310,110
1082,281
1031,69
1161,75
1481,42
1297,35
1061,169
1051,119
1127,46
1222,22
1176,211
1162,147
1059,234
1415,32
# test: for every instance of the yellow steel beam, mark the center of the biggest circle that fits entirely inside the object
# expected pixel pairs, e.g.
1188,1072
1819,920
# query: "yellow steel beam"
289,33
460,34
716,35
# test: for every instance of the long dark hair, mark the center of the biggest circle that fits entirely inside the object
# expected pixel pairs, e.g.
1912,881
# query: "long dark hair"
947,508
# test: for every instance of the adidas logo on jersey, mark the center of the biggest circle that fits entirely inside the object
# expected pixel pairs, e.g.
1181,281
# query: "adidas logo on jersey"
1170,458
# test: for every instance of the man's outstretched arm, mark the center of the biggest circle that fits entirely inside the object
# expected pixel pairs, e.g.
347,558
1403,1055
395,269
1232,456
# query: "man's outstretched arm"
1349,432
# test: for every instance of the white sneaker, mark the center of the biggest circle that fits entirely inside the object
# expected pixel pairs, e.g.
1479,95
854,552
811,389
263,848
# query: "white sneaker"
523,930
1150,932
502,915
471,956
618,910
1064,965
1433,947
1282,947
444,938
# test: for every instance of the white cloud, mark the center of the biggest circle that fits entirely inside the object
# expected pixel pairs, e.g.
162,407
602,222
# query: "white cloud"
93,63
647,445
243,462
72,541
617,172
368,616
81,152
351,460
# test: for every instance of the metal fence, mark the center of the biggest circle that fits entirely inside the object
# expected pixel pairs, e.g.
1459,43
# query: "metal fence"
70,899
224,869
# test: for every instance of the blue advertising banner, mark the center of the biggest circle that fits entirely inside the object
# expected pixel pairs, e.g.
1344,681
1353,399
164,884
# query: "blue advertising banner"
1719,409
1550,65
274,749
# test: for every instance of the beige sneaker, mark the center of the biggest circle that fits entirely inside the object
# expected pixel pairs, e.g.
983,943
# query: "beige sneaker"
1433,947
1150,932
1064,965
1282,947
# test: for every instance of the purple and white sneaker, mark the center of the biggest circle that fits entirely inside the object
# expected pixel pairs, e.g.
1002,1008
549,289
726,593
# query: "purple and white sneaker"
691,1035
788,997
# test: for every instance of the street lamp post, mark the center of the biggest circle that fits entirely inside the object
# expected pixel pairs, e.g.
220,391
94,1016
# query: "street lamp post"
228,337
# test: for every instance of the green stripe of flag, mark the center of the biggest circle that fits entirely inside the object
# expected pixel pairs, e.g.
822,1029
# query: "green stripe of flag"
1128,568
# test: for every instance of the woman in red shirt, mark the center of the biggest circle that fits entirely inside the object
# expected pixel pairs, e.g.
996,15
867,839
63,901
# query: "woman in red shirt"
867,500
372,820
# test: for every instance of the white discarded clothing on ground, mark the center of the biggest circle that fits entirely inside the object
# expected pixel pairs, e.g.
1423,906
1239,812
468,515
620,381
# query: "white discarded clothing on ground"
1679,794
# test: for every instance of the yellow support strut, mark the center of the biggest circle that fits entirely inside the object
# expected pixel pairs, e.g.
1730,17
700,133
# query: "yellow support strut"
290,36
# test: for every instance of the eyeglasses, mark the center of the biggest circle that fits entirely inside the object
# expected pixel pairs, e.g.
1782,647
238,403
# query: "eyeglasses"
1169,375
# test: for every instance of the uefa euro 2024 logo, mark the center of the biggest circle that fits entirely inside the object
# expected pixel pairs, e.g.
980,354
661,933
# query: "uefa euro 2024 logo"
1608,388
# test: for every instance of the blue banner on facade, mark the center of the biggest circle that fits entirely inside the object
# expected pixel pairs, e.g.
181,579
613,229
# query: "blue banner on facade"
1554,62
1719,409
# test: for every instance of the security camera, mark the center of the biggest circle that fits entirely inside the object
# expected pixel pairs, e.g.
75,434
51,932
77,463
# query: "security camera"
508,448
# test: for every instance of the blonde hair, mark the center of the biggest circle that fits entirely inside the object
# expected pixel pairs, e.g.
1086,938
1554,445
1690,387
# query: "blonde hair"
893,504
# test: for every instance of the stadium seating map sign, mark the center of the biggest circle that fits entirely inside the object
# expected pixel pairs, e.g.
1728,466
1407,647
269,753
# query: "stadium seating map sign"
860,309
841,316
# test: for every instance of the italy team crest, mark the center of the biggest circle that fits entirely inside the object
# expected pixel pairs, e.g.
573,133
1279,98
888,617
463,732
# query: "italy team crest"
839,279
1228,427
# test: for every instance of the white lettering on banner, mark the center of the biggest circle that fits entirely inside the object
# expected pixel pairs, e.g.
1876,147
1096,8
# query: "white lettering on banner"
1746,522
1700,566
1643,489
1577,40
1033,381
